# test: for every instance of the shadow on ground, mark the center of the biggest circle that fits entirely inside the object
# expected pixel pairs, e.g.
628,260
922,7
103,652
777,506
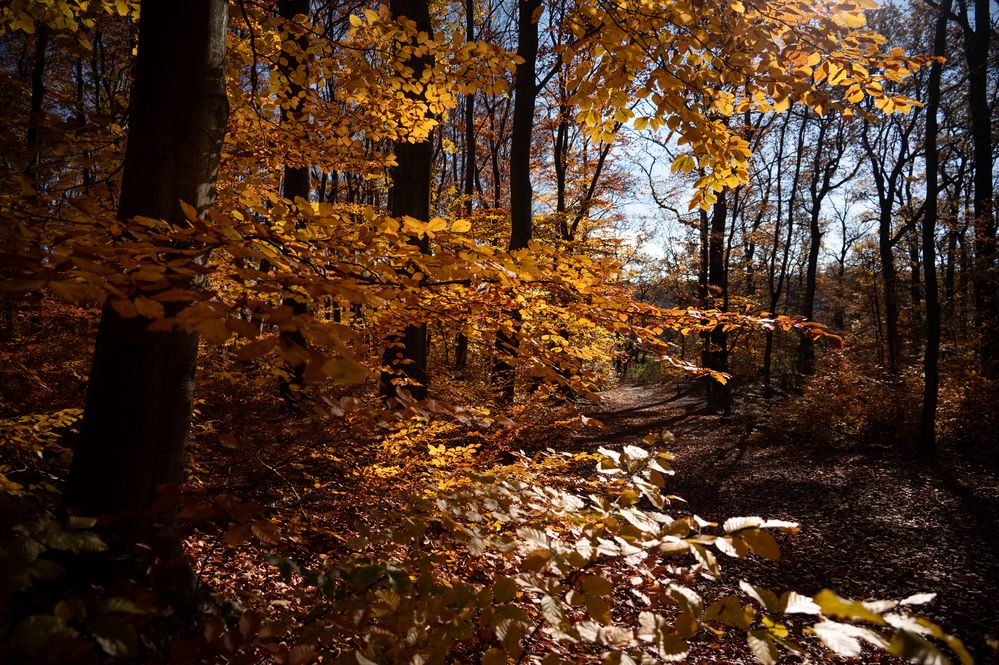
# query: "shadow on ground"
883,524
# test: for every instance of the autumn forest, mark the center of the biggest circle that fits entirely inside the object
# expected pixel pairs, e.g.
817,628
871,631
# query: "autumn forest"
499,331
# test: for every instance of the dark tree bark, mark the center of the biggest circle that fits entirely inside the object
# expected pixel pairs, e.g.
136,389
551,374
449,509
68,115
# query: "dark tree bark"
297,183
806,347
525,97
521,194
296,187
36,115
406,353
915,281
715,354
461,343
139,398
931,352
955,232
977,48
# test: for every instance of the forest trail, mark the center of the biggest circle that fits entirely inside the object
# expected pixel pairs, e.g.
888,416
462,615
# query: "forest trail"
874,524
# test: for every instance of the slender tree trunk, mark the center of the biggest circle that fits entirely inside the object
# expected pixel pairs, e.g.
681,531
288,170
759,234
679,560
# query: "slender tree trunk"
876,315
461,344
806,347
525,97
560,150
139,399
521,194
704,232
715,355
949,272
773,286
406,354
81,121
297,187
889,279
915,282
785,259
977,48
36,115
931,352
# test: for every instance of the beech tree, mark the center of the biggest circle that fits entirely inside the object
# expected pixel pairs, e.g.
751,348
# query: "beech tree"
410,196
138,408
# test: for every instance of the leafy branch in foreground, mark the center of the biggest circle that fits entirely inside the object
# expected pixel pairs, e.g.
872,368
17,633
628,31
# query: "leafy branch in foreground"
508,566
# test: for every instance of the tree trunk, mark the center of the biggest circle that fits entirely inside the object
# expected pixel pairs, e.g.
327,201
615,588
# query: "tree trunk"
715,355
525,96
977,50
915,283
773,287
521,194
931,352
889,278
782,276
297,187
139,398
37,114
406,354
461,344
806,347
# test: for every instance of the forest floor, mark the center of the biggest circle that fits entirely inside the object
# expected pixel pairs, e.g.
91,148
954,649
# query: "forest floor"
875,523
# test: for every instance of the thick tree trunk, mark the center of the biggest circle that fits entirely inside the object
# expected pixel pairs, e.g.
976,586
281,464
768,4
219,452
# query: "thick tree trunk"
931,352
138,407
521,194
406,354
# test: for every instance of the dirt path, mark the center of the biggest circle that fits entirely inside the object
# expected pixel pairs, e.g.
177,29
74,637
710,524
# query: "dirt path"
874,525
